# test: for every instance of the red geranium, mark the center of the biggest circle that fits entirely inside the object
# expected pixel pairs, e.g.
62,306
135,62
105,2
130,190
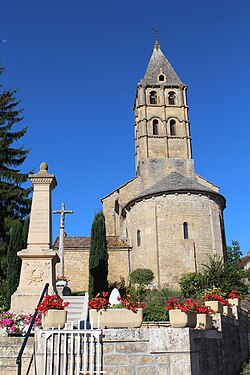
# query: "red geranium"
52,302
233,294
188,305
215,296
100,301
130,304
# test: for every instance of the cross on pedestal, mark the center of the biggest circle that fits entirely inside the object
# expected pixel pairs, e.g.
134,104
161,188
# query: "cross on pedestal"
62,212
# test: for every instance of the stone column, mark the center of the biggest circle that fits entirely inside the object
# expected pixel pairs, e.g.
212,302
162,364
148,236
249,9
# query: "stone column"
38,260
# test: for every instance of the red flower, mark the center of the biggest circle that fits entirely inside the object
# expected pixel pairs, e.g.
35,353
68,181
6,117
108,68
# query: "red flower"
101,302
233,294
52,302
215,296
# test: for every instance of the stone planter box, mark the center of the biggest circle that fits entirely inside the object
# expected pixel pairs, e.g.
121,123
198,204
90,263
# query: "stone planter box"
115,318
215,305
234,301
227,310
180,319
204,321
54,319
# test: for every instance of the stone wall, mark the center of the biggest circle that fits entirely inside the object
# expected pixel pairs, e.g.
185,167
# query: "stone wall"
177,351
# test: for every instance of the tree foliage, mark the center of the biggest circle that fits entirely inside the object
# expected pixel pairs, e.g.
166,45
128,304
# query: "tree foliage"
141,276
225,276
14,198
98,257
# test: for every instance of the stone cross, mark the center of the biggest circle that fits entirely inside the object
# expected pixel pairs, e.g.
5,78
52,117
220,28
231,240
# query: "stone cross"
62,212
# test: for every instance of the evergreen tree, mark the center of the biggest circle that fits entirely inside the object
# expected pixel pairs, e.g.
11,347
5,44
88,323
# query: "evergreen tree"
98,257
13,261
14,199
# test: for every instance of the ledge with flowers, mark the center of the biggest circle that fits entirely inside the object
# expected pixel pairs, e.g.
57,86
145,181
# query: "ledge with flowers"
199,314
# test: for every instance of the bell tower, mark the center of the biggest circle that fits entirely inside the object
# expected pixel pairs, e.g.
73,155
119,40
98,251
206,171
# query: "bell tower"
161,113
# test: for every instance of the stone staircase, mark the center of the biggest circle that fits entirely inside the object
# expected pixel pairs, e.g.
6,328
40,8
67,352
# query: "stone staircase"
9,349
75,308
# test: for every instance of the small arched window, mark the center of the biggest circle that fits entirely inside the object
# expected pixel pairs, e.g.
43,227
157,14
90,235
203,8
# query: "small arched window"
161,78
117,206
155,127
172,127
153,97
185,230
171,98
138,236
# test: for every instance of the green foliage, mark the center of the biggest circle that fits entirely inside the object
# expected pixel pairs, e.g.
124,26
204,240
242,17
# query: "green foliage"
193,284
217,274
98,257
141,276
234,254
13,261
155,301
14,199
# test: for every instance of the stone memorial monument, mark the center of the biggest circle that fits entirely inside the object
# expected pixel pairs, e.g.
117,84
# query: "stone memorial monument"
38,260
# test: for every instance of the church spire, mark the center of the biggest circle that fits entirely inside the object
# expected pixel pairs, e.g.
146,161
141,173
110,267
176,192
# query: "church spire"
158,65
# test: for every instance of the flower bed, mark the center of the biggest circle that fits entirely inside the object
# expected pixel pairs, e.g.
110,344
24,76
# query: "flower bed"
11,323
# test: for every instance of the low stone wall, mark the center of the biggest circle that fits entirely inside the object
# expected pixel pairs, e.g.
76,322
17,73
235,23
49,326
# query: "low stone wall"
177,351
164,350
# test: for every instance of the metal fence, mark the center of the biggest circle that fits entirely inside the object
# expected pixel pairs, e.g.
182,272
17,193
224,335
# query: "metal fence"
69,352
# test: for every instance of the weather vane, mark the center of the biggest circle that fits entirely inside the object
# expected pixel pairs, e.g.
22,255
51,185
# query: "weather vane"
156,36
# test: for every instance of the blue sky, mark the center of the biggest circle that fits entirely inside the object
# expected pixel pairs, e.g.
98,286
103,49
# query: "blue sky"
76,64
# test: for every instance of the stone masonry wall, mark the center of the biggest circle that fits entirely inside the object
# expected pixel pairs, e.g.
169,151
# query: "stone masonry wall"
177,351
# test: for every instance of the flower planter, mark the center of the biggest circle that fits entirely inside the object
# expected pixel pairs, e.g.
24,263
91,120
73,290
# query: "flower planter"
61,283
204,321
180,319
115,318
227,310
215,305
54,319
234,301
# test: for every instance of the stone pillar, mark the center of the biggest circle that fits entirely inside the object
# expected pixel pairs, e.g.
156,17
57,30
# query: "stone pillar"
38,260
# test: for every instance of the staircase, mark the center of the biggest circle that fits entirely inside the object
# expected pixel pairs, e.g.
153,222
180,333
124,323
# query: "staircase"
76,308
9,349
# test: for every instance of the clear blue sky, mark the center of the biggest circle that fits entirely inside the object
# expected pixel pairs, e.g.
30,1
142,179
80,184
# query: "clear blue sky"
77,63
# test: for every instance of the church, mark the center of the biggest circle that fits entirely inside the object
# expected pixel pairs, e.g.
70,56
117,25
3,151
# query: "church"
167,218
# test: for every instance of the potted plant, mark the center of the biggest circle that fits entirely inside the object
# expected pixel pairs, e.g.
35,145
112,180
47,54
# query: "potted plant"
127,313
233,298
204,318
181,314
53,311
218,303
62,280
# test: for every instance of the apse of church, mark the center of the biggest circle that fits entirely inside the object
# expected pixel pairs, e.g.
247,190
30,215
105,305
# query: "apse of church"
170,217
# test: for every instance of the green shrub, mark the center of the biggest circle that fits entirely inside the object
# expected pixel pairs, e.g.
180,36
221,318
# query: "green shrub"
155,301
193,284
141,276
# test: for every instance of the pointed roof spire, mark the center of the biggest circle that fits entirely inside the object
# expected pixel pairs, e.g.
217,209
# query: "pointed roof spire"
158,64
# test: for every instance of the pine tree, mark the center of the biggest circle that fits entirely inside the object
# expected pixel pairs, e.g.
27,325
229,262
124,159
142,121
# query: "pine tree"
14,199
98,257
13,261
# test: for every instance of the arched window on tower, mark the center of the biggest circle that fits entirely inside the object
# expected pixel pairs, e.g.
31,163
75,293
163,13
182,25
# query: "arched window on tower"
185,230
161,78
153,97
172,127
155,127
171,98
138,236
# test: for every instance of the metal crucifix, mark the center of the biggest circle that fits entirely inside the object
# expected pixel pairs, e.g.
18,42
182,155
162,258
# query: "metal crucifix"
62,212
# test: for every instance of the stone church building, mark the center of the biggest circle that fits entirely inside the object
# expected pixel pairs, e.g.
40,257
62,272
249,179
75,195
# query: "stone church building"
167,218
